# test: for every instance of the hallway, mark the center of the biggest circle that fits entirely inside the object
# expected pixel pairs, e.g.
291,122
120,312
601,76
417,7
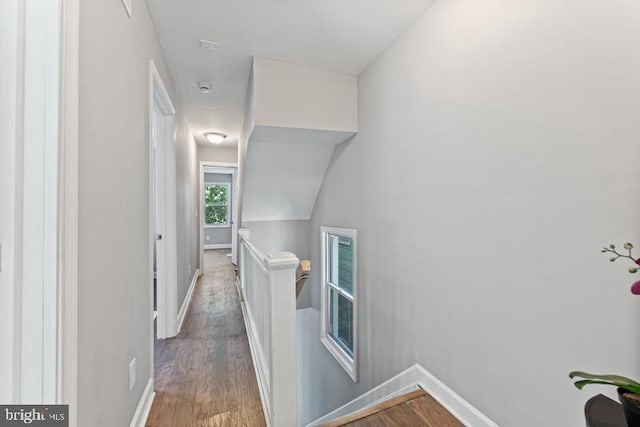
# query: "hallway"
204,377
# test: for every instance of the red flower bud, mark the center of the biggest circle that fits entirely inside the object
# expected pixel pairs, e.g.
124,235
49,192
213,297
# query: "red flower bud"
638,261
635,288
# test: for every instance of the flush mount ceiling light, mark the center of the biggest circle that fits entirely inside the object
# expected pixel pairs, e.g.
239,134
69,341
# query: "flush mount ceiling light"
215,137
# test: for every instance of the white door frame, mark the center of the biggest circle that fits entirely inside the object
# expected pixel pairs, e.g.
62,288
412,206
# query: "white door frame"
43,123
161,142
11,31
234,210
37,184
231,171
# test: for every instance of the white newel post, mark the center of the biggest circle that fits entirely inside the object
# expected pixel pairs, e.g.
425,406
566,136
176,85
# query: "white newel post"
282,277
243,233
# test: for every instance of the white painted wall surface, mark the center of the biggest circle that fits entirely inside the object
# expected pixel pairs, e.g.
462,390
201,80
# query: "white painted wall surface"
295,96
283,236
296,115
317,395
282,180
218,154
188,215
248,124
8,142
510,130
280,236
114,276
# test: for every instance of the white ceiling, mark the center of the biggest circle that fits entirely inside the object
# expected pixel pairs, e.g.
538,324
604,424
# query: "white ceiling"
336,35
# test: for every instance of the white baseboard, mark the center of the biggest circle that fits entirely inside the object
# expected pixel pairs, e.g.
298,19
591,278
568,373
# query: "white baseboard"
402,383
218,246
256,357
144,406
409,380
187,300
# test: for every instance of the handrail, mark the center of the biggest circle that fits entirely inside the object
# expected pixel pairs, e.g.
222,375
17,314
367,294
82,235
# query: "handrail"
269,311
259,256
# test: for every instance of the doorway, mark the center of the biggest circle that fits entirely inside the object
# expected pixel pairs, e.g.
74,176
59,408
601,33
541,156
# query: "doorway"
162,211
218,201
218,207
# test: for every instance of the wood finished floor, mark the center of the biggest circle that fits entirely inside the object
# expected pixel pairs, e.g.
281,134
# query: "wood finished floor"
417,408
204,377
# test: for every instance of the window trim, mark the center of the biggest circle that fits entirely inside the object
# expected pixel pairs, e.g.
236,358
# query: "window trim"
348,363
204,206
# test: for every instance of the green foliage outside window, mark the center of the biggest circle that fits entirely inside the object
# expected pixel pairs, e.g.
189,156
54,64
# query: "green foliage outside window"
216,200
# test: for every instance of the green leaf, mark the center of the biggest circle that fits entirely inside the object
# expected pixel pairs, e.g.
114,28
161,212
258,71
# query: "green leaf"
627,387
612,380
215,194
583,383
606,377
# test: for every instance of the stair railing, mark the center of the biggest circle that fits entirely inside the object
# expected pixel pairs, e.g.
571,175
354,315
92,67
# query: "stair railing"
267,286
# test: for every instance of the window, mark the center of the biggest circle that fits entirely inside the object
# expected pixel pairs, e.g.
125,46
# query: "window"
216,204
339,290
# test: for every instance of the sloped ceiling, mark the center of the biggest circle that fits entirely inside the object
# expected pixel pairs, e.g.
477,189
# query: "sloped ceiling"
286,176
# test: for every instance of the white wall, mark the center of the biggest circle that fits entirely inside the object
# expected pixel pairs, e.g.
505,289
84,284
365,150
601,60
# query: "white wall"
510,133
294,96
218,154
282,180
283,236
248,124
188,215
280,236
114,277
217,236
297,115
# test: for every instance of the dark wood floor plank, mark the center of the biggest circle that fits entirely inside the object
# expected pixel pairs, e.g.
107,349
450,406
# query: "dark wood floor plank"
204,377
